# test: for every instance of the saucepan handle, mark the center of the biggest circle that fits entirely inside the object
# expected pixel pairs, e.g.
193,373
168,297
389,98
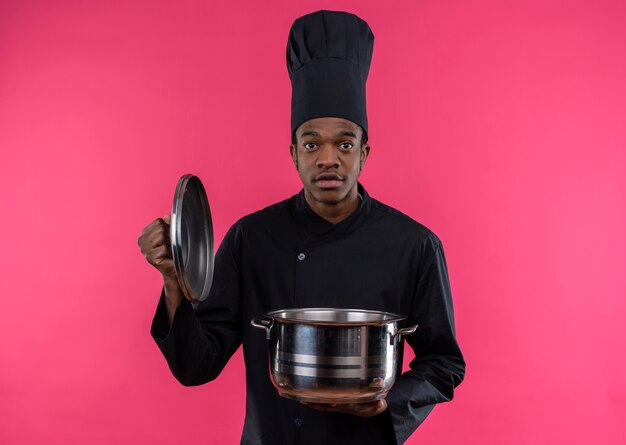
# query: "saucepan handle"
262,323
400,332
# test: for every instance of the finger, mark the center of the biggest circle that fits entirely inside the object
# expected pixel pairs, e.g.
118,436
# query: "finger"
160,235
318,406
148,245
382,405
160,252
152,225
158,255
157,238
164,265
367,409
371,409
149,235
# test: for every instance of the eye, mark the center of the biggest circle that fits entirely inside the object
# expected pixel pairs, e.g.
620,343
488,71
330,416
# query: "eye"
346,146
310,145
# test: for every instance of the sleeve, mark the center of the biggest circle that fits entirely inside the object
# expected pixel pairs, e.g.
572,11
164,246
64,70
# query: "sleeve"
201,339
438,367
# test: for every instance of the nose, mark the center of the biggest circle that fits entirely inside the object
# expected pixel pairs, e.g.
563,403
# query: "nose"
327,157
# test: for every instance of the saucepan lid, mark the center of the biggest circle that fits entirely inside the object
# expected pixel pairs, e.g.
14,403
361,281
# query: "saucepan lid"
191,234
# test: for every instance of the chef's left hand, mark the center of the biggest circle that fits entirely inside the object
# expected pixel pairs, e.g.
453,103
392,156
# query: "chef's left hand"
367,409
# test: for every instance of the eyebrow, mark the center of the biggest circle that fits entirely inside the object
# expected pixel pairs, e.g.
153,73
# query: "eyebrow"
341,133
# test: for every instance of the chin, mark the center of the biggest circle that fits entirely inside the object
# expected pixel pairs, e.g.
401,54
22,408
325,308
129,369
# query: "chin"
330,196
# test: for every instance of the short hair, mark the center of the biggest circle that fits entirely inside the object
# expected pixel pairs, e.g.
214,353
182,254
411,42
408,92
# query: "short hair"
363,138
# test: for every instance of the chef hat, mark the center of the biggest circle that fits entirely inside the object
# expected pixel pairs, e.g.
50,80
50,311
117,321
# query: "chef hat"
328,60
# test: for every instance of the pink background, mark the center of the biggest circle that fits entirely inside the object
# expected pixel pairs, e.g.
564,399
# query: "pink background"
499,125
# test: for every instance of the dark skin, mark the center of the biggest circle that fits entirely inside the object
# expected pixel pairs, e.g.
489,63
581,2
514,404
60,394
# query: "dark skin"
329,157
154,243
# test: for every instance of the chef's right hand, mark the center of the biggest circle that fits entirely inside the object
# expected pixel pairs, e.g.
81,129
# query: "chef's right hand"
155,245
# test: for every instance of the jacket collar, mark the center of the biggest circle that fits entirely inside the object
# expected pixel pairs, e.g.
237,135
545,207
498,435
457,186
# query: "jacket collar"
315,225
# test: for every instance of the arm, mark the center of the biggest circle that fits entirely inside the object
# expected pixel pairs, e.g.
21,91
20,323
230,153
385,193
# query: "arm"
156,247
438,366
198,342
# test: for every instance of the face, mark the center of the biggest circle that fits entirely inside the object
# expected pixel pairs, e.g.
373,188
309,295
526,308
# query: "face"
329,158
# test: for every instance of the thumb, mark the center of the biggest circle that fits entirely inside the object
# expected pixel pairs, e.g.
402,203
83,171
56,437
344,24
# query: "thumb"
168,219
382,405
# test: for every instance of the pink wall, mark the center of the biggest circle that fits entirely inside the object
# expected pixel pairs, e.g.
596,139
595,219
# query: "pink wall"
500,125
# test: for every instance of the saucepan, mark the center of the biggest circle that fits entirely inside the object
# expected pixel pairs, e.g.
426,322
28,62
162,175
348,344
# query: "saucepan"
329,355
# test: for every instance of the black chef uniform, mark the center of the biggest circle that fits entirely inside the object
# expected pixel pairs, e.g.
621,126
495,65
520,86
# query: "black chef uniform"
286,256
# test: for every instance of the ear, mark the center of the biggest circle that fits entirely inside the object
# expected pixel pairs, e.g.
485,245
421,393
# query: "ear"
294,155
365,151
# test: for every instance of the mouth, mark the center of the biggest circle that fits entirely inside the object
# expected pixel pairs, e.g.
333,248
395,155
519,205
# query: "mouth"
328,180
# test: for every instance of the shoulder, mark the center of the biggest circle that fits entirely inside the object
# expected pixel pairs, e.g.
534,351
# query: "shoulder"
255,225
270,215
399,224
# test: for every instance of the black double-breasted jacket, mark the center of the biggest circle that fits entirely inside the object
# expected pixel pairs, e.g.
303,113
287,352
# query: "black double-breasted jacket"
286,256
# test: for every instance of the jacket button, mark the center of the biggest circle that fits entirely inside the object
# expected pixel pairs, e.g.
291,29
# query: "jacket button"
301,256
297,422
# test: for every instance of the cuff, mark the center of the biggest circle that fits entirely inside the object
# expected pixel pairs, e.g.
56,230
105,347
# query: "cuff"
161,328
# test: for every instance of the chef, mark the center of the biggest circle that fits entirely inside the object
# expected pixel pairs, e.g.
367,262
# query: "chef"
330,245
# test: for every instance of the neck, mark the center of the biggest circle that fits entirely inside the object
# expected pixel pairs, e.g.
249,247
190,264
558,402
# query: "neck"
334,212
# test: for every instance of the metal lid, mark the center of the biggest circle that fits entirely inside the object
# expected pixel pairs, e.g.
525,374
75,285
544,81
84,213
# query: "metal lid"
191,233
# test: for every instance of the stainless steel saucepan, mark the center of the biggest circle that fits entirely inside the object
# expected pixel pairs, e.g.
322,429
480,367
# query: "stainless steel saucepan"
327,355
